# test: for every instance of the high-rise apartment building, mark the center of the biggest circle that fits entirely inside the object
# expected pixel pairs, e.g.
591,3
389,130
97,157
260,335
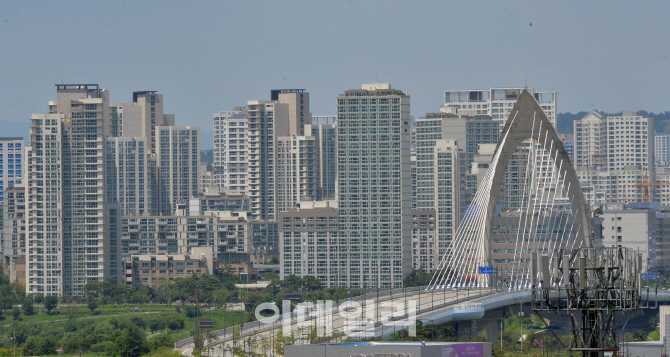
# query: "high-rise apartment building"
440,180
205,177
284,115
224,233
309,245
245,140
662,146
177,158
497,102
297,171
140,118
424,241
374,186
11,163
602,186
14,222
324,133
128,175
231,148
298,114
469,133
590,141
614,142
616,145
66,211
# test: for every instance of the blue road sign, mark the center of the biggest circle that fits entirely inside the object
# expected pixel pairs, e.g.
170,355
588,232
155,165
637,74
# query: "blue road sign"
486,270
649,276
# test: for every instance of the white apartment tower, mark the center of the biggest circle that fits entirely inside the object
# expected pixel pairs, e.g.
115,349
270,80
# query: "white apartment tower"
619,149
496,102
284,115
231,150
66,212
590,139
297,171
177,158
128,176
440,180
374,186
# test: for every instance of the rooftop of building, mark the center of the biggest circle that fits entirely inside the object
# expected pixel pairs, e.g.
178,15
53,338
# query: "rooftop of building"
144,92
374,90
274,93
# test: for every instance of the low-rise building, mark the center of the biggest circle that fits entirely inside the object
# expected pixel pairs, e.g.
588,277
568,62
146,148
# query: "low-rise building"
156,269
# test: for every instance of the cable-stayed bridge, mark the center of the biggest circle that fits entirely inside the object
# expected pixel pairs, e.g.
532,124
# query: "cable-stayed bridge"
530,168
550,209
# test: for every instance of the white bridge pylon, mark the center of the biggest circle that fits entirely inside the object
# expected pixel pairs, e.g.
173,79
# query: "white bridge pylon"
551,214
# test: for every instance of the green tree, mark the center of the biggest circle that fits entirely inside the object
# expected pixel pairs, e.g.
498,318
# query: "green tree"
30,347
156,325
222,295
92,304
190,310
46,346
38,298
175,323
50,303
310,283
132,343
16,313
137,321
162,340
28,307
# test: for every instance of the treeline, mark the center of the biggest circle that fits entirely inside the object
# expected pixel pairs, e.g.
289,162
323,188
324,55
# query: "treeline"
118,319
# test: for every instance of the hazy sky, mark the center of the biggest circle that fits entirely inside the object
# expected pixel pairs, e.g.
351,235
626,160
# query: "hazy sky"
206,57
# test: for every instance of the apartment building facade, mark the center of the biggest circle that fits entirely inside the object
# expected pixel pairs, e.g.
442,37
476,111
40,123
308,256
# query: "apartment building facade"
177,160
128,171
619,150
309,245
297,171
374,183
225,233
231,150
67,219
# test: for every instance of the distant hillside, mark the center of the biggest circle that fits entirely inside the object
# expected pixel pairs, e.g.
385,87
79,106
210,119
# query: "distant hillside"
207,156
661,120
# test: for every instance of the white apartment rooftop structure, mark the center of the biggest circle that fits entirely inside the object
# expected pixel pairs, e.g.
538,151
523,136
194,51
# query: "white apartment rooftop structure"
496,102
